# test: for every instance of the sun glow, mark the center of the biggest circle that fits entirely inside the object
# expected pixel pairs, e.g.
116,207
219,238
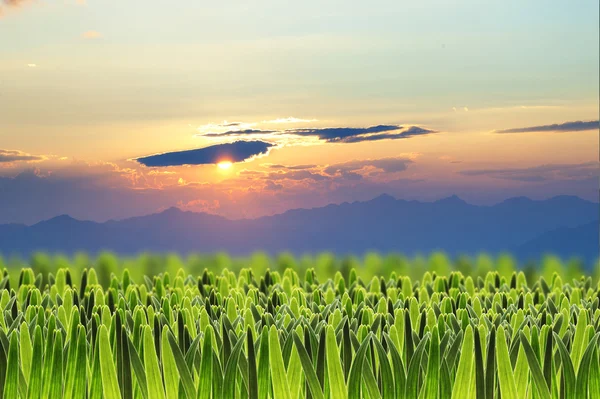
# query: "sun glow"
224,165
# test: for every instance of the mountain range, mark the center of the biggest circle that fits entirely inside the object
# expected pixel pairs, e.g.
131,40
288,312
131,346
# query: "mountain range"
566,226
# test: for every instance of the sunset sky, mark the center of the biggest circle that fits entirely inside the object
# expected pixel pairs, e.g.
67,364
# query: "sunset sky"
112,108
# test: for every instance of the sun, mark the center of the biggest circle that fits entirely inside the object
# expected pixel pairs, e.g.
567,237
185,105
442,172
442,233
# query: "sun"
224,164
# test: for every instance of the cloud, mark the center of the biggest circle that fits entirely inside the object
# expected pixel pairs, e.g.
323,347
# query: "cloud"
237,151
9,156
576,126
11,4
332,134
199,205
236,133
290,119
91,34
540,173
101,191
14,3
224,127
297,175
404,134
386,165
292,167
272,186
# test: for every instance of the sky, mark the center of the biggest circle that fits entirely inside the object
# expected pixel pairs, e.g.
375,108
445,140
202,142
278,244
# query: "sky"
111,109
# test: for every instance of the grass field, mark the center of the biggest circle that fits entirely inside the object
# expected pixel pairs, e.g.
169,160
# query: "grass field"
322,327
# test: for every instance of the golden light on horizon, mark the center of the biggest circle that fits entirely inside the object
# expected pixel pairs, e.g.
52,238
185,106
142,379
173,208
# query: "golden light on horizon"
224,164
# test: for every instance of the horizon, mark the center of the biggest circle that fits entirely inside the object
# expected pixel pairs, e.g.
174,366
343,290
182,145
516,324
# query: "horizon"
175,207
103,118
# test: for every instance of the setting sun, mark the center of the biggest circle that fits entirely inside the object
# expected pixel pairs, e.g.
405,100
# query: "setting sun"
224,165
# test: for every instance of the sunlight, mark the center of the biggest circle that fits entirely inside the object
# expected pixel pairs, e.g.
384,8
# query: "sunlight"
224,164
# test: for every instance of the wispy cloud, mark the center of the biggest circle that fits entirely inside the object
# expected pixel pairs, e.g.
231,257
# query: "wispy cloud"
403,134
14,3
237,133
575,126
331,134
91,34
290,119
237,151
9,156
292,167
387,165
224,127
540,173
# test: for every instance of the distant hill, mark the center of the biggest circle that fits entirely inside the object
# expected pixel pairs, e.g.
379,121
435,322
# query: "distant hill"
566,242
562,225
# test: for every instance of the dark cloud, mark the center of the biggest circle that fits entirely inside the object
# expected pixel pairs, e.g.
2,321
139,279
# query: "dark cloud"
576,126
237,133
540,173
337,134
7,156
237,151
332,134
404,134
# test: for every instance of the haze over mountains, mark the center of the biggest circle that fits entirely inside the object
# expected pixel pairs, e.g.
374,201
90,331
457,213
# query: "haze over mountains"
566,226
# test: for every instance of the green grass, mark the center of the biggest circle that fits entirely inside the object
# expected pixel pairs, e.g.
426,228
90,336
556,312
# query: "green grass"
276,328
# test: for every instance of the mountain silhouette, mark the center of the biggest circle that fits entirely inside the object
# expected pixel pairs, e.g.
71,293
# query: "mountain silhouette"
572,242
565,226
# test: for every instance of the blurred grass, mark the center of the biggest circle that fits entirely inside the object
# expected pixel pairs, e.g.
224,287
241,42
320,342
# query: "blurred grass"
326,265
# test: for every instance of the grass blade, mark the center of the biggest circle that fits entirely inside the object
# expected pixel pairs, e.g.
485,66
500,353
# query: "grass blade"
35,377
229,384
536,371
567,368
506,378
355,377
153,376
80,383
169,367
138,369
462,383
11,382
281,388
387,378
414,369
432,379
583,379
399,372
264,372
56,384
206,363
184,372
307,366
110,384
337,385
26,350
